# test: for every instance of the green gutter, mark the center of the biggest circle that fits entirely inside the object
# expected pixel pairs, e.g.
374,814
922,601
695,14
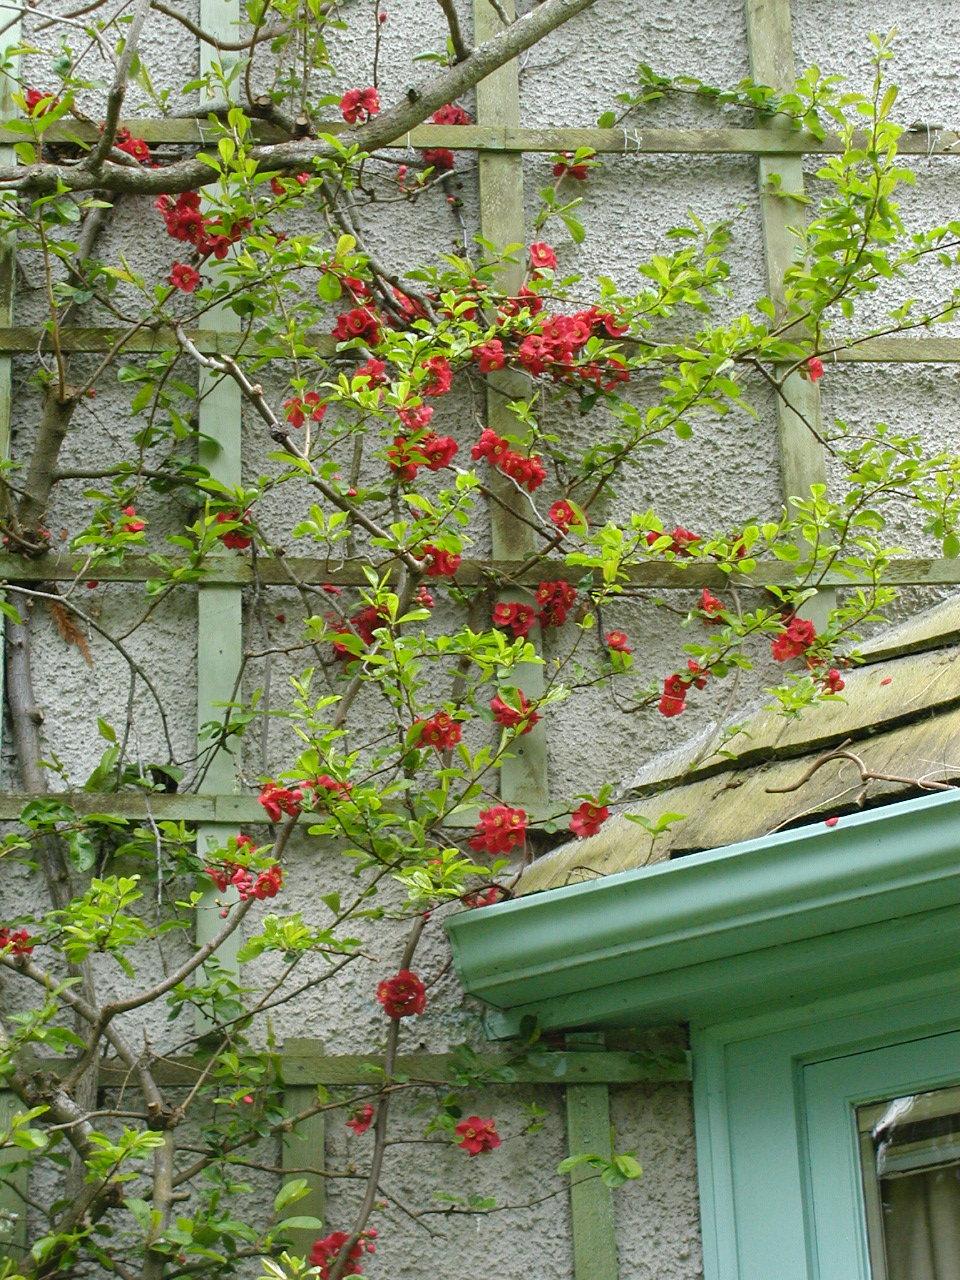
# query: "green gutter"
730,931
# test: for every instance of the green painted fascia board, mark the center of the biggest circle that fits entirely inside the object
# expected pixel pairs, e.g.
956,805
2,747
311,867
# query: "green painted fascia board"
642,944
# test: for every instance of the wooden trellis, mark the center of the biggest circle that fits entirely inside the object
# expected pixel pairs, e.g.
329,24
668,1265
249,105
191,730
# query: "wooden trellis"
500,141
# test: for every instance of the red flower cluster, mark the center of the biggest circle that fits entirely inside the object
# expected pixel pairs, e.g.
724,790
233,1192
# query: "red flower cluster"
441,731
136,147
364,622
499,829
543,255
326,1251
440,564
278,800
439,158
477,1135
588,818
415,417
452,114
299,408
617,642
518,617
488,897
406,456
564,169
362,1118
266,884
132,524
185,222
332,786
529,473
360,322
555,599
403,995
15,942
522,717
184,277
562,515
374,371
673,700
795,639
833,681
358,105
237,539
490,355
680,540
441,376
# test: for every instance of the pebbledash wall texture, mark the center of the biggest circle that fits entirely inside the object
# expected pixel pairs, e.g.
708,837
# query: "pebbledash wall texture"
726,474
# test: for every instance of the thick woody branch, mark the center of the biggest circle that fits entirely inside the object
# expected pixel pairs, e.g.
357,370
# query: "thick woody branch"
384,129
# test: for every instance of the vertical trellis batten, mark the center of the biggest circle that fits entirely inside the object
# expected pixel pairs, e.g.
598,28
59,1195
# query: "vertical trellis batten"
302,1156
592,1222
802,456
13,1184
523,779
219,608
13,1187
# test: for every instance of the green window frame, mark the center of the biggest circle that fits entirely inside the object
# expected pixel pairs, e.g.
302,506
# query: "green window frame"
778,1149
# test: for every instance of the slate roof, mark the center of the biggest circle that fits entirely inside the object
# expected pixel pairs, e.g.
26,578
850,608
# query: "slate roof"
900,717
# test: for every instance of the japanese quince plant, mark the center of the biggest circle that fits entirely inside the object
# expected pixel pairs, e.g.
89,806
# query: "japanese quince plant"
411,654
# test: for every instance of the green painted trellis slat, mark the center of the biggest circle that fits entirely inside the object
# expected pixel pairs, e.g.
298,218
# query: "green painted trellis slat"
803,460
593,1224
13,1183
523,779
495,137
219,607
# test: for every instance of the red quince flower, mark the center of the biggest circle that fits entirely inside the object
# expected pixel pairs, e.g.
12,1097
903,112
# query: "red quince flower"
360,322
563,169
373,371
543,255
490,355
15,942
522,717
562,515
499,829
361,1119
617,642
588,818
833,681
299,408
358,105
403,995
477,1135
39,102
487,897
795,639
709,604
132,524
237,539
184,277
278,800
441,376
814,368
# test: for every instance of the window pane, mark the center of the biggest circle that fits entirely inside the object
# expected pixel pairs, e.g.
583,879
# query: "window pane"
911,1172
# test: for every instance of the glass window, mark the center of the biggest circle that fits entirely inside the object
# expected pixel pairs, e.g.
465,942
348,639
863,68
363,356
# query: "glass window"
910,1154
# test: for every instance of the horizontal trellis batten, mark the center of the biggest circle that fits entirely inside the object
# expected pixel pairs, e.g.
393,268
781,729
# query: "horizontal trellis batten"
291,571
630,139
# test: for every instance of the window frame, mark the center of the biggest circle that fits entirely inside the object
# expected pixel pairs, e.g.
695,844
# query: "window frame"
750,1109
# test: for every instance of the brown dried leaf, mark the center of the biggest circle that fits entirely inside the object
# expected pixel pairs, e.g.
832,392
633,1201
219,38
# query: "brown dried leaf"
69,630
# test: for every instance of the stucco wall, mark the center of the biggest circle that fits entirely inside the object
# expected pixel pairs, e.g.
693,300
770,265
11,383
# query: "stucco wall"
726,474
